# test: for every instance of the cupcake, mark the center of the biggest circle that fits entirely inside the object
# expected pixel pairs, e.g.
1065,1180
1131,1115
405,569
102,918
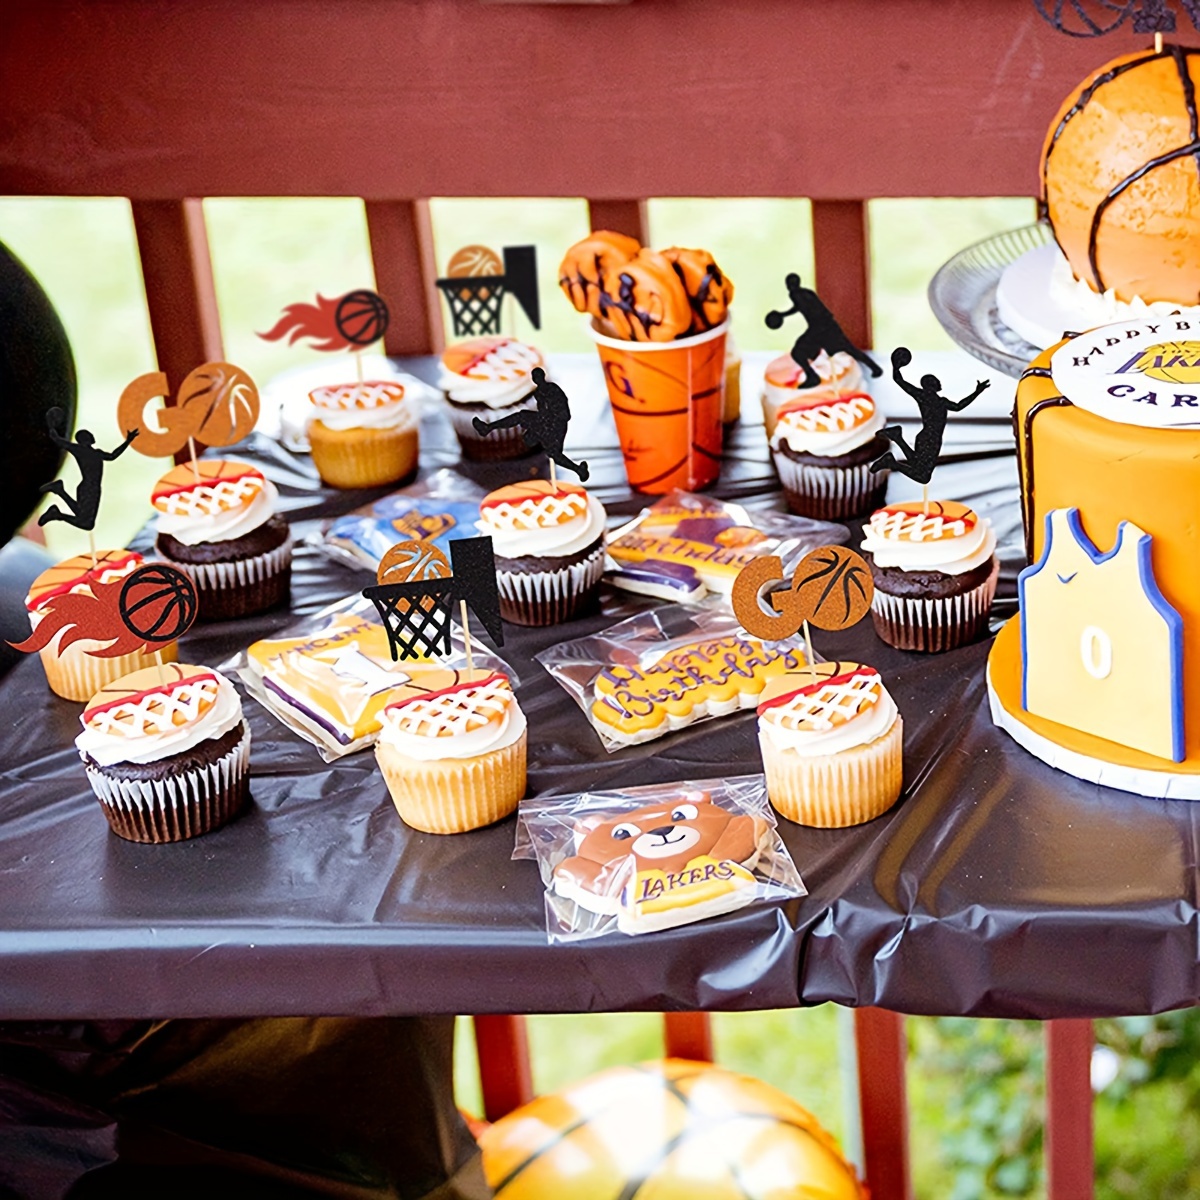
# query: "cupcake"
363,435
783,382
217,521
548,540
452,750
831,746
489,378
934,568
823,448
167,752
731,404
72,672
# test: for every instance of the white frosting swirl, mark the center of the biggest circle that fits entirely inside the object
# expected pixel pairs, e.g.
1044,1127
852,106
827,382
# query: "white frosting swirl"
841,373
809,743
374,404
553,541
1096,308
949,555
495,735
498,379
823,430
107,742
195,527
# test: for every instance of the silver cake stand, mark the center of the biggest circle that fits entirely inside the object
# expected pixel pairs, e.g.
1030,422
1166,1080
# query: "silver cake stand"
963,298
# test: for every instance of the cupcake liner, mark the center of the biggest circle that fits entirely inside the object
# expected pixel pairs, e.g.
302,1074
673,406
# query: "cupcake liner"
549,597
77,675
241,586
452,795
363,458
183,806
832,791
731,404
830,493
934,625
502,444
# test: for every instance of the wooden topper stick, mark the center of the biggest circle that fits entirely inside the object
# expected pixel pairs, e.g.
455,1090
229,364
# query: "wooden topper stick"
924,499
553,475
466,624
195,465
92,548
358,364
812,666
162,675
1158,42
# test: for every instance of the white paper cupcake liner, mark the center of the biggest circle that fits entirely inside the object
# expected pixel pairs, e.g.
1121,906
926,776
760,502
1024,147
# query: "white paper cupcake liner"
934,625
548,597
180,806
828,493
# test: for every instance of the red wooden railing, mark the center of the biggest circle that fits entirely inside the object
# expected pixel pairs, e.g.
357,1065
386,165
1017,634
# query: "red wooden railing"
395,101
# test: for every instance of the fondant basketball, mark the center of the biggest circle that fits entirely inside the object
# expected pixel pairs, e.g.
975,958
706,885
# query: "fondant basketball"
1121,177
670,1130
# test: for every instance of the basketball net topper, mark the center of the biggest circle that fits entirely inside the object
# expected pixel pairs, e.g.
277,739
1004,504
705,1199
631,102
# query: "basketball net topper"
1093,18
476,282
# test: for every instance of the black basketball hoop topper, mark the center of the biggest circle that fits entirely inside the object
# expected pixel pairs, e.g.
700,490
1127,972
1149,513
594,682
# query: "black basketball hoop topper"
1093,18
417,591
476,282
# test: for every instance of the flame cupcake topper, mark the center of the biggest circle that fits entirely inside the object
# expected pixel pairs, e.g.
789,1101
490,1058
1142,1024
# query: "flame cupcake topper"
350,322
476,282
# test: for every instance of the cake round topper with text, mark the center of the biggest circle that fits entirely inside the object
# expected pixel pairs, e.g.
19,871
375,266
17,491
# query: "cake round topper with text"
1144,372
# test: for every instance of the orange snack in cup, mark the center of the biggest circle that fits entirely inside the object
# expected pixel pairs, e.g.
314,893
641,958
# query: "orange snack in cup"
644,301
709,291
583,269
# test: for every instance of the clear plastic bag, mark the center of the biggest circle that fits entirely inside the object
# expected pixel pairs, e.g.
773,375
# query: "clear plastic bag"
648,858
441,507
329,676
688,548
662,670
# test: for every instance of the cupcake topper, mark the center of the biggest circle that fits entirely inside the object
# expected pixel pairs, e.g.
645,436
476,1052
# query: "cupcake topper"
416,590
476,282
1092,18
350,322
544,427
921,458
831,587
823,332
138,612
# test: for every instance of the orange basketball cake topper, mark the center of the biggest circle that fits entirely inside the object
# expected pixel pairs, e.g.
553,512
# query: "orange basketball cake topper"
349,322
476,282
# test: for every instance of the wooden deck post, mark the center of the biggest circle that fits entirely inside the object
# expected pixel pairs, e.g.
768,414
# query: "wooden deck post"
502,1047
882,1051
402,251
621,216
840,249
688,1035
1069,1152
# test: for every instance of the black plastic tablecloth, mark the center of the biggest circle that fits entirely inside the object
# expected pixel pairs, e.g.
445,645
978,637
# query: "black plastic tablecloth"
995,887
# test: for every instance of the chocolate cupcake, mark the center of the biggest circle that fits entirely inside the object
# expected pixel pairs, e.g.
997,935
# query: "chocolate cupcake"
823,447
935,570
167,752
489,378
217,521
548,540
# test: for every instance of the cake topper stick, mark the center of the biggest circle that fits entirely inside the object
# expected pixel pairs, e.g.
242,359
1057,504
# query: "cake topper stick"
544,427
823,332
466,624
921,457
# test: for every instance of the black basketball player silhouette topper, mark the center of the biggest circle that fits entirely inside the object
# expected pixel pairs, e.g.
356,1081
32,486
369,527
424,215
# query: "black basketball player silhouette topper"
823,332
921,457
1092,18
544,427
81,509
416,591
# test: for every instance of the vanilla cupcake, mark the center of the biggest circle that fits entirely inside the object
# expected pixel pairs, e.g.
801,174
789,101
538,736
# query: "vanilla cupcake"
363,435
783,381
831,747
217,522
548,540
823,447
731,403
452,750
71,671
489,378
935,569
167,752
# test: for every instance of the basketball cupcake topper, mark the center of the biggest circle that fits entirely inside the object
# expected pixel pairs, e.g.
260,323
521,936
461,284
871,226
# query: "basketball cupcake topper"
350,322
1093,18
476,282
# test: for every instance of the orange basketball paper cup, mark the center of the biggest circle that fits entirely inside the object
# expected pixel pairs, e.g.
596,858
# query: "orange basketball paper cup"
667,399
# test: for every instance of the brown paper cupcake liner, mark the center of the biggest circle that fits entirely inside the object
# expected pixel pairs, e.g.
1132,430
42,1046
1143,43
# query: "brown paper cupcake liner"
364,458
934,625
77,675
241,586
195,802
452,795
550,597
833,791
500,445
830,493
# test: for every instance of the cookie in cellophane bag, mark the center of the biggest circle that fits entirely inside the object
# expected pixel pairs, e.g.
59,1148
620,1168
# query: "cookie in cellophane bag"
637,860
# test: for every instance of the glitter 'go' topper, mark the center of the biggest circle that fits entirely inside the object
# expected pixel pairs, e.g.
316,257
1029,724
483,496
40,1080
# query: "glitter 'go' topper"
476,282
140,612
831,587
349,322
81,509
921,458
416,592
216,405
